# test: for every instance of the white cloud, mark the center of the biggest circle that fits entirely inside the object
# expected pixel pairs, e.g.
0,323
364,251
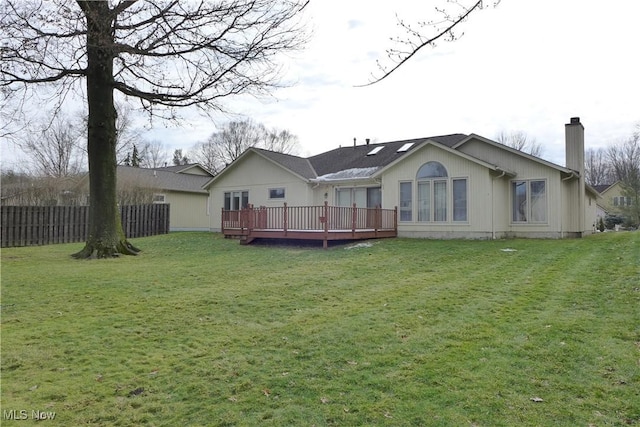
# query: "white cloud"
525,65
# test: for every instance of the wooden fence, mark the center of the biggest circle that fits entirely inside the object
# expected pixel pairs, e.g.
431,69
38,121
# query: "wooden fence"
45,225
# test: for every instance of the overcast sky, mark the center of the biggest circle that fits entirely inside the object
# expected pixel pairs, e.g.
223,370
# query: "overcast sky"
525,65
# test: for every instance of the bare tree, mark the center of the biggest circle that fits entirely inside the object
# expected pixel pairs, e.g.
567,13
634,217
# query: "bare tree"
597,168
21,189
450,17
520,141
53,147
235,137
206,154
154,154
135,191
166,54
624,159
127,136
281,141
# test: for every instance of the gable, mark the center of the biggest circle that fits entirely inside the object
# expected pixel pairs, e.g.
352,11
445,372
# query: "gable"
191,169
455,163
252,169
611,190
507,157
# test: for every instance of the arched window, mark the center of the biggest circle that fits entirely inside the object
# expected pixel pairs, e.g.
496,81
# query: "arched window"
440,198
432,170
432,192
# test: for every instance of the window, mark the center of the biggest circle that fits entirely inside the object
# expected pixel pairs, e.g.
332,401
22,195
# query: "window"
158,198
406,207
529,201
370,197
424,201
434,196
432,170
405,147
437,195
460,200
375,151
236,200
276,193
622,201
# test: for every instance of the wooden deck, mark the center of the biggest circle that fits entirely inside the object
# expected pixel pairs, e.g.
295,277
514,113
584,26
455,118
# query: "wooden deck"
309,223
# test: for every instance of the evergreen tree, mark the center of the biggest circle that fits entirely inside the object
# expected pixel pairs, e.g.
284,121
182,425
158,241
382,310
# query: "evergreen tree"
136,159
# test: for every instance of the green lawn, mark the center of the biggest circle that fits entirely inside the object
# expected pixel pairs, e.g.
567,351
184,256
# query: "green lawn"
200,331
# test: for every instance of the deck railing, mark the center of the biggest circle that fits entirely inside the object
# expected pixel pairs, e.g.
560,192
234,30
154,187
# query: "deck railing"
309,218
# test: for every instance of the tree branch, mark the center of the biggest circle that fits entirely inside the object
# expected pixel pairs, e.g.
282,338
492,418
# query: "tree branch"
415,48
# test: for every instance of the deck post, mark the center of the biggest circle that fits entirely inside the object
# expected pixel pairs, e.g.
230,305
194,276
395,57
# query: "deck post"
285,219
250,217
395,220
354,220
222,221
377,220
326,224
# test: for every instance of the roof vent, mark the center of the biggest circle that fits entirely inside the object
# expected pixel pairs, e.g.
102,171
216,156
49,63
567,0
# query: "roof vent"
405,147
375,151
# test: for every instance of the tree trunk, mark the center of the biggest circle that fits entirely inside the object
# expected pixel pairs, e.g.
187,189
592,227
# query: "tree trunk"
106,236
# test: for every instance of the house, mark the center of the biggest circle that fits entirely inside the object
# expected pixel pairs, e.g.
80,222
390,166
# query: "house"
182,187
612,200
450,186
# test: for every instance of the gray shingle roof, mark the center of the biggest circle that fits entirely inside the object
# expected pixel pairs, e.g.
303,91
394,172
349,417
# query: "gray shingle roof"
351,162
182,168
298,165
163,179
602,187
346,158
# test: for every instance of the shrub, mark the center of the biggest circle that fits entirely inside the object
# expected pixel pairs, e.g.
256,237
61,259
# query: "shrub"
610,221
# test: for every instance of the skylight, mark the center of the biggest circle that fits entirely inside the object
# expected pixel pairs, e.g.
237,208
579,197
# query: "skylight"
405,147
375,151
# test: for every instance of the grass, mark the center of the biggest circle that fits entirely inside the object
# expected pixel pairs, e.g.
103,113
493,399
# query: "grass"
201,331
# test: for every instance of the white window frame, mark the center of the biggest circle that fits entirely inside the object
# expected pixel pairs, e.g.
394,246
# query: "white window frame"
284,193
466,200
528,213
231,199
403,209
157,196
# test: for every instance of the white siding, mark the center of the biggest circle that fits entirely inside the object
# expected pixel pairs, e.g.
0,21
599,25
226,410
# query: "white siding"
489,194
188,211
479,195
257,175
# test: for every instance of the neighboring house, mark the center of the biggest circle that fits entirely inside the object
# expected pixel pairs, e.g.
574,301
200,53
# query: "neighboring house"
452,186
182,187
612,200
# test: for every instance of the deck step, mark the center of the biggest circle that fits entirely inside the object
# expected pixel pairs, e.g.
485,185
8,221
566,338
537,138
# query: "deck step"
245,240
